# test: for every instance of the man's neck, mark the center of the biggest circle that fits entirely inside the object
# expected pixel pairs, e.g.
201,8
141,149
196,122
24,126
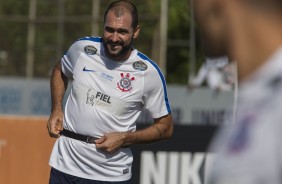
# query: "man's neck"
255,44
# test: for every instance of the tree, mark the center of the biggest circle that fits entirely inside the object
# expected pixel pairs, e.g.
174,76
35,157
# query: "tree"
77,19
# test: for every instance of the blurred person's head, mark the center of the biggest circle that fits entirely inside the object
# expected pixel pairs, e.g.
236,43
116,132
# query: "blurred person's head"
252,29
210,20
120,29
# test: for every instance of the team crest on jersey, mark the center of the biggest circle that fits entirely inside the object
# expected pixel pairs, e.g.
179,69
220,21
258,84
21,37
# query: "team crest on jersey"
90,50
139,65
125,83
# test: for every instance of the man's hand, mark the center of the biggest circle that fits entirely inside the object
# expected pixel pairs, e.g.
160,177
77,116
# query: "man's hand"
111,142
55,123
58,83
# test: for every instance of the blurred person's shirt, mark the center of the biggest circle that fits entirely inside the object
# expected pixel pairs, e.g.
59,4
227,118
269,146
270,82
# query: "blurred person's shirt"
250,150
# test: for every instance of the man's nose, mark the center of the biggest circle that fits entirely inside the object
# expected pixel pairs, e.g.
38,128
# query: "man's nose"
115,37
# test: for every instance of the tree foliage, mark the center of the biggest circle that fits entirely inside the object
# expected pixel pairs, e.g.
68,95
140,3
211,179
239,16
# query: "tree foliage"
14,26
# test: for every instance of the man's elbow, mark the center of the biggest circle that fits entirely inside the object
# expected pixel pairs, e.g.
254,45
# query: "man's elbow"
169,131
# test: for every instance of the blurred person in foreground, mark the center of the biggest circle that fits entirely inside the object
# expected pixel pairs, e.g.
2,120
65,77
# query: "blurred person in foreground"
218,70
250,150
111,83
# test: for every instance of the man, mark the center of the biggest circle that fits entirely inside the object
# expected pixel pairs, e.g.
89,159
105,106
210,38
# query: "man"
112,82
249,151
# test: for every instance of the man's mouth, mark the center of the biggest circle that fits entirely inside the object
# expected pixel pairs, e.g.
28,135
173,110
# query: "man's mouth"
114,45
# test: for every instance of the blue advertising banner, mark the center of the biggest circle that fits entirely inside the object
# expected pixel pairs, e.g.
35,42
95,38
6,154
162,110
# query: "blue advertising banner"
199,106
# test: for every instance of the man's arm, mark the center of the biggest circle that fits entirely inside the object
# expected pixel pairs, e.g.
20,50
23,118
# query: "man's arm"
58,85
161,129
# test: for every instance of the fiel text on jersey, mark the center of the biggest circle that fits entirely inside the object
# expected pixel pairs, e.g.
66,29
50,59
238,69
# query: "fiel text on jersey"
91,97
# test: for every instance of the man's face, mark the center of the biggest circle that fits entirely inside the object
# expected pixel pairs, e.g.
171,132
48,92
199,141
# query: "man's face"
118,34
212,24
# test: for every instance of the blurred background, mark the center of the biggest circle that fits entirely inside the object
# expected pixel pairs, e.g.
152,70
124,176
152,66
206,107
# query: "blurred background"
38,32
34,36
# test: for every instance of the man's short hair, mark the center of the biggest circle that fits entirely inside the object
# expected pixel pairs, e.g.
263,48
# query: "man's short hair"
129,6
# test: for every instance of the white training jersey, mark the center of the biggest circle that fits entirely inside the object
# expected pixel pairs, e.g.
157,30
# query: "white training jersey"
106,96
250,150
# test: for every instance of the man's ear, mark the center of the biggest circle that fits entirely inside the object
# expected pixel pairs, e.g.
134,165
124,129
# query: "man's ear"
136,32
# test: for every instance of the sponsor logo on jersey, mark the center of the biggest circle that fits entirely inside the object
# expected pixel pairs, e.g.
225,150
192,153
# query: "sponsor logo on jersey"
125,82
139,65
90,50
88,70
106,76
125,171
97,98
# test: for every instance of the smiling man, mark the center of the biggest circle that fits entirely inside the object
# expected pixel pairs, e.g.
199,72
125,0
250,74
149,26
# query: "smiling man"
111,83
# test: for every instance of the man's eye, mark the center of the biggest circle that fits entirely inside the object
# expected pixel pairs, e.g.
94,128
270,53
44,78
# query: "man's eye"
122,32
110,30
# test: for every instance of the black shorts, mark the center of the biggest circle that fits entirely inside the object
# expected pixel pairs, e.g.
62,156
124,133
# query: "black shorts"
58,177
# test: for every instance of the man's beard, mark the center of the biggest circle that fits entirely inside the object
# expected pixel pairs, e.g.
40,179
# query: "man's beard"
118,54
